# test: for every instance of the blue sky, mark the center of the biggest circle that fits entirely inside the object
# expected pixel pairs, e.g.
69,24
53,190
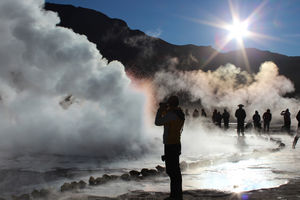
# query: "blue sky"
185,21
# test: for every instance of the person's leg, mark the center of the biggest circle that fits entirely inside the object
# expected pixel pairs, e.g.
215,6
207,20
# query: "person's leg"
176,179
168,163
242,128
173,170
297,136
226,124
238,129
288,127
295,141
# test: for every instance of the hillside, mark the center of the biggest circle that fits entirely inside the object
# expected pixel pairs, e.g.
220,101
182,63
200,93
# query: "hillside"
143,55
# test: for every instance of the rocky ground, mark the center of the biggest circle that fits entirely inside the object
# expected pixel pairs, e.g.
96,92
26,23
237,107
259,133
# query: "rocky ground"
71,191
289,191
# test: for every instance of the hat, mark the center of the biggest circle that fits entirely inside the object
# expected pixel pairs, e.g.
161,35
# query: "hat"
240,105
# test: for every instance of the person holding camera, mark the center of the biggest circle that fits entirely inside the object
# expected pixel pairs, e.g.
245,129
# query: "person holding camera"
172,118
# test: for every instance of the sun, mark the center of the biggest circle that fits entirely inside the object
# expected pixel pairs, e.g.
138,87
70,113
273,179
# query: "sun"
237,30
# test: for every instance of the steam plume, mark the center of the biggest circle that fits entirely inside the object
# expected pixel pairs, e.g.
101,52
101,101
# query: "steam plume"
228,86
40,65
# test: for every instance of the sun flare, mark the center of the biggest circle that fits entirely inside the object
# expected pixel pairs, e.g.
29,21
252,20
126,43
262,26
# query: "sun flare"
238,30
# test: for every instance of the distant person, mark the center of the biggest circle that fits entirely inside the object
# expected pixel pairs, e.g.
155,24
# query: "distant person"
196,113
172,118
225,117
187,114
218,119
214,116
240,115
256,121
298,131
286,120
298,118
203,113
267,117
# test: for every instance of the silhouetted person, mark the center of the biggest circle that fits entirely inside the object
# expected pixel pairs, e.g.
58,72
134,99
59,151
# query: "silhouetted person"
226,117
240,115
214,116
298,131
203,113
267,117
256,121
187,114
287,120
196,113
218,119
298,118
172,118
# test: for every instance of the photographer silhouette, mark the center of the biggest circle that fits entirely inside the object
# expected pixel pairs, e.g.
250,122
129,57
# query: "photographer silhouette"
172,118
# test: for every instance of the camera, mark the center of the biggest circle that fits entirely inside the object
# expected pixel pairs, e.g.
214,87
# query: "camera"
163,157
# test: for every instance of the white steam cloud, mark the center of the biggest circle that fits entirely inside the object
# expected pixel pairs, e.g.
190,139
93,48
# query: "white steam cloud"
41,64
228,86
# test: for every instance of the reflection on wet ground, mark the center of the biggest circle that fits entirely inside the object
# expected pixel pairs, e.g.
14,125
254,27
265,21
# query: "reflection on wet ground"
228,163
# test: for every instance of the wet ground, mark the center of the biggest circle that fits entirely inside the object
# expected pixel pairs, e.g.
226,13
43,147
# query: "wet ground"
228,163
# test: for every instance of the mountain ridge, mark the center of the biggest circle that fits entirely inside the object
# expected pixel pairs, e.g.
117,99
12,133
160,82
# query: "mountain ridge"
144,55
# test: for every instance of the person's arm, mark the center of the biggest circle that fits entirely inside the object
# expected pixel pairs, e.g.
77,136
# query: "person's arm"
161,119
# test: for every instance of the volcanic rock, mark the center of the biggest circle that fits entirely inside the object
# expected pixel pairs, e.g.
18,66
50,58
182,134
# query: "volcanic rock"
66,187
125,177
40,194
100,181
92,181
134,173
160,169
183,165
82,184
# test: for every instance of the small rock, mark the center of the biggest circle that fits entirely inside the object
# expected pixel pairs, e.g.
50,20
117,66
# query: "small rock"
35,194
125,177
114,177
145,172
106,177
44,192
74,185
92,181
100,181
183,165
160,169
275,149
134,173
153,172
82,184
281,145
39,194
65,187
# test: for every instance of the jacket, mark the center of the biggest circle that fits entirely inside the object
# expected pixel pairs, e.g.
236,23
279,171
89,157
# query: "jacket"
173,121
